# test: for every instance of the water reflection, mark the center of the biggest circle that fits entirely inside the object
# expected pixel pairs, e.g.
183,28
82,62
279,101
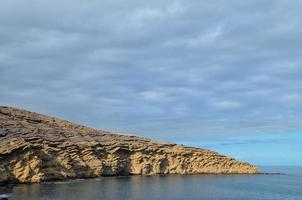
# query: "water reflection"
166,187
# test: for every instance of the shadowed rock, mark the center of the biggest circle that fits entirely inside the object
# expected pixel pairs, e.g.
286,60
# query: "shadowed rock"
35,148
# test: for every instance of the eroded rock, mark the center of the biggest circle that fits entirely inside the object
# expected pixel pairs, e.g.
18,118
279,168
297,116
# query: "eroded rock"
35,148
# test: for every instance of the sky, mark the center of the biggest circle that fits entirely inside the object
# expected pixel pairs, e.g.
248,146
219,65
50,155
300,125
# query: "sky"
225,75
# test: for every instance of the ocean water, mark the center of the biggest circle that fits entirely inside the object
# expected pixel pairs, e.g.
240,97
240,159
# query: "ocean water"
218,187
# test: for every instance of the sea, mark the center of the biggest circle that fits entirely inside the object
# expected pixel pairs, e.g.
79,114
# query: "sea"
280,183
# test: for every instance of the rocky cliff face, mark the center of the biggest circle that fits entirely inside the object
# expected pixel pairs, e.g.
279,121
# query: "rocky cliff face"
35,148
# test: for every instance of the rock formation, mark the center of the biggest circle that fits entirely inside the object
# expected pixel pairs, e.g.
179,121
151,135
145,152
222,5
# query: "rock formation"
35,148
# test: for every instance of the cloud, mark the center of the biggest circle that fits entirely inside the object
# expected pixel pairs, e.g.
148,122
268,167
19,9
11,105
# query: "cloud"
173,69
153,95
226,105
206,38
147,14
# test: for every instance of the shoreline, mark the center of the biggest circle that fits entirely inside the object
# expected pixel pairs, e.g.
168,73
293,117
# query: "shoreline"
12,184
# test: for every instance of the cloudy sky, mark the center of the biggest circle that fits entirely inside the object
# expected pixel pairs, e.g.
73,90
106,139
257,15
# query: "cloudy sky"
221,74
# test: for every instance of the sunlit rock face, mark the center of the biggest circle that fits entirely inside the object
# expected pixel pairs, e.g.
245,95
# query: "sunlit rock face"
35,148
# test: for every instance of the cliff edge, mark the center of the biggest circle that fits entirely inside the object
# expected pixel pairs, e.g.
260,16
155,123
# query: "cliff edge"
35,148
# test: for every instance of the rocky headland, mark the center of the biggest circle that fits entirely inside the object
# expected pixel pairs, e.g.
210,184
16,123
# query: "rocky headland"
36,148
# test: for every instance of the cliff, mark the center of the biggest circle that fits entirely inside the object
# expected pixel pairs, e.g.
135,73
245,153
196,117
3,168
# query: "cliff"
35,148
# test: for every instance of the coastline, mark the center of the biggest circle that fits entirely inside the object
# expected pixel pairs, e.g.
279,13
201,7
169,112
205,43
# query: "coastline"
46,149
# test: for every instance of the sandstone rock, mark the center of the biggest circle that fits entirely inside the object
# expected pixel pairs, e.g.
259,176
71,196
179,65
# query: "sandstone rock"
35,148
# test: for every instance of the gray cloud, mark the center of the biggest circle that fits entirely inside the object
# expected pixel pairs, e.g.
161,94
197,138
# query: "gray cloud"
172,69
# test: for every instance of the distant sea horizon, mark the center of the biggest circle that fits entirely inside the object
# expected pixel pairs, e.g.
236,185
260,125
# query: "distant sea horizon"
291,169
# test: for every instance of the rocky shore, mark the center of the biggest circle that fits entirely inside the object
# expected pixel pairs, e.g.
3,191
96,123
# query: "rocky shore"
36,148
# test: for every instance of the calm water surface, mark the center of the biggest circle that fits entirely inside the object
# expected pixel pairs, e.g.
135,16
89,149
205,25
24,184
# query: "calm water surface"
264,187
